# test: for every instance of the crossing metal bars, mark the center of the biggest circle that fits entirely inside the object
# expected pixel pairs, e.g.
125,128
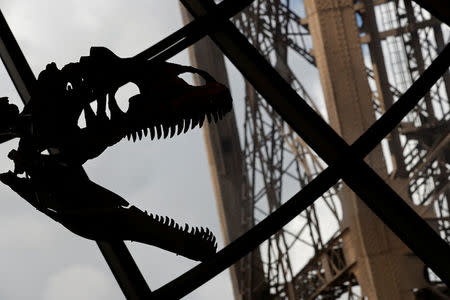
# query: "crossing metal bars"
344,159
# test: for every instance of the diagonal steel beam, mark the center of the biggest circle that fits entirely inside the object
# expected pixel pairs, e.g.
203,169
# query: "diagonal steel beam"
412,229
383,200
116,254
192,32
439,8
15,63
304,198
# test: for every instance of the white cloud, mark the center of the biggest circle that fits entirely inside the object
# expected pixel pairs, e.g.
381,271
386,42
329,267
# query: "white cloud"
78,282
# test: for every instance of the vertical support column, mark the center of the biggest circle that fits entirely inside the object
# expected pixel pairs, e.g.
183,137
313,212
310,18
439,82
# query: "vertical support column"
437,30
384,93
416,50
384,267
228,175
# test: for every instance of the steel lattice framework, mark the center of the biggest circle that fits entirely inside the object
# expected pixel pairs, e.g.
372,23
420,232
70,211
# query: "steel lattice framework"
367,185
277,159
403,37
410,39
275,151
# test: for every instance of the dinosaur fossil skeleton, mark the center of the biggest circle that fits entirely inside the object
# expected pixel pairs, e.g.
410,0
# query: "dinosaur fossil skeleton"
166,105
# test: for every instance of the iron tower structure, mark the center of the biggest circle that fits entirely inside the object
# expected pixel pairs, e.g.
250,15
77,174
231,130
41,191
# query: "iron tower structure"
375,59
367,52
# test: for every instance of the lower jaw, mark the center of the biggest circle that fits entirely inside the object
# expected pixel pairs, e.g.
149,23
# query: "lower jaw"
134,225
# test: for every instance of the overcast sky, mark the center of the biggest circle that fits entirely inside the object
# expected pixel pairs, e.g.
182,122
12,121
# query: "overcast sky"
40,259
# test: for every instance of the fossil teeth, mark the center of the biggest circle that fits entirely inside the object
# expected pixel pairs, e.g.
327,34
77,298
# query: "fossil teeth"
195,121
186,228
209,117
158,131
187,121
133,134
145,130
166,129
128,136
139,134
152,131
172,130
180,126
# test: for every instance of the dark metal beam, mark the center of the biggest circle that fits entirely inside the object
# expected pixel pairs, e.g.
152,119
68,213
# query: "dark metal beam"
237,249
15,62
192,32
304,198
409,227
382,85
438,8
412,229
125,270
116,254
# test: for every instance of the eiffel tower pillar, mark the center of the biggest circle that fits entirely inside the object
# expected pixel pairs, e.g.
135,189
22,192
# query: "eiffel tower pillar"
384,267
228,176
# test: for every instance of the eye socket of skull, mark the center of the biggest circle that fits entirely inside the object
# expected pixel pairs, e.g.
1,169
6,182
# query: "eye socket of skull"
69,86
